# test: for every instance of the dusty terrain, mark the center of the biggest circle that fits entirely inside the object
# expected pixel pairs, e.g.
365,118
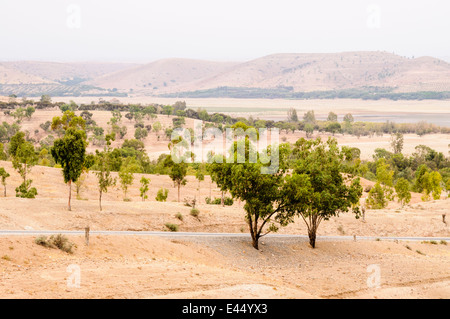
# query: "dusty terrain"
209,267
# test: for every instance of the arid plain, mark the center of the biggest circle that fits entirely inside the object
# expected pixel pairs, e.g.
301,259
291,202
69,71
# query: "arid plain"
134,266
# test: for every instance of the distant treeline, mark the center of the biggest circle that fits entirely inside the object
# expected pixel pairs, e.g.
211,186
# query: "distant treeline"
24,109
287,92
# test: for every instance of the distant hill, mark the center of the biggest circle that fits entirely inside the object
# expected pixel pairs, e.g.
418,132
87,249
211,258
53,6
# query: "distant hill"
280,75
161,76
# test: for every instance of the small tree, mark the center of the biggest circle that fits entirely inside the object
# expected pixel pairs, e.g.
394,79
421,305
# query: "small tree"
105,180
332,117
70,153
292,115
397,141
431,183
144,188
382,192
4,175
199,176
402,190
157,127
167,109
161,195
126,179
178,172
24,158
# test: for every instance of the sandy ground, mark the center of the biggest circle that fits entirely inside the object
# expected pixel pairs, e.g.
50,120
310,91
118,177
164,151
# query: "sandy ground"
138,267
152,267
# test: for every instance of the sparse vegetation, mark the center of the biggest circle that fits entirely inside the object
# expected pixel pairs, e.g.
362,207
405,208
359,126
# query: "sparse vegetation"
58,241
172,227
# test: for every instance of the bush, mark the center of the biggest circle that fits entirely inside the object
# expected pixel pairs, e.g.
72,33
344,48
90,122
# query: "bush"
42,240
59,241
228,201
172,227
179,216
195,212
376,198
162,194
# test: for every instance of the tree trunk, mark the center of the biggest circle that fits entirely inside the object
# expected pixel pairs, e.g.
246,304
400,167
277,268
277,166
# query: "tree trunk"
255,243
222,200
100,201
312,238
253,233
4,187
210,190
70,194
179,186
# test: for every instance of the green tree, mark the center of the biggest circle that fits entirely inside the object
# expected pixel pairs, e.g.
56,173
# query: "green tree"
140,133
103,173
144,188
332,117
126,178
29,112
397,141
402,190
161,195
309,129
3,156
326,192
23,159
382,192
167,109
70,153
157,127
178,172
4,175
67,120
309,118
431,184
292,115
220,173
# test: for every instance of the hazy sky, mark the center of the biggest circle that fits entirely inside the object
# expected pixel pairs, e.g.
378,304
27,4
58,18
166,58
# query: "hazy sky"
143,31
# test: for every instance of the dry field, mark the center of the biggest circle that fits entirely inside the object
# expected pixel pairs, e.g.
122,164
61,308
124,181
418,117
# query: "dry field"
207,267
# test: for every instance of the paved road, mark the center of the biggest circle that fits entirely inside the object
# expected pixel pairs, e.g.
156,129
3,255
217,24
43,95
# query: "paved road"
216,235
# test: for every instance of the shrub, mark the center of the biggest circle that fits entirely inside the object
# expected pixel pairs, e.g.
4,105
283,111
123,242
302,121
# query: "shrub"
228,201
59,241
172,227
179,216
376,198
42,240
195,212
162,194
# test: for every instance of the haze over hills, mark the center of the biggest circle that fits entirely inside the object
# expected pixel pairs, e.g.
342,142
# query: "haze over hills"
291,72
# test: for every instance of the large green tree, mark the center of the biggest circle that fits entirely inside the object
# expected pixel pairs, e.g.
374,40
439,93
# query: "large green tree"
326,191
70,153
